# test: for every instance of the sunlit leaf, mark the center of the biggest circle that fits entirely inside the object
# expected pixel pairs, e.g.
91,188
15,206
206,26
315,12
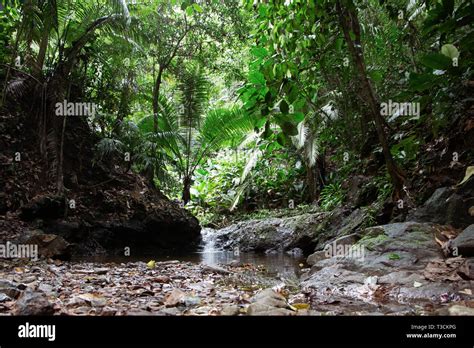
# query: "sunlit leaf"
469,173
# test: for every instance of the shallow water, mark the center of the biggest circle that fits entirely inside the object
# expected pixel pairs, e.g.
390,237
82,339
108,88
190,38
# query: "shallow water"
282,264
278,264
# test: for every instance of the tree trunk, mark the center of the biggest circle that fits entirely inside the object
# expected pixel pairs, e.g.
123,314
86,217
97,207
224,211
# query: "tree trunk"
156,95
312,184
349,22
186,196
38,68
124,104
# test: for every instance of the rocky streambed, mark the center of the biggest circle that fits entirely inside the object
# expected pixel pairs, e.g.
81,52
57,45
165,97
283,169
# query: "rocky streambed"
404,268
419,280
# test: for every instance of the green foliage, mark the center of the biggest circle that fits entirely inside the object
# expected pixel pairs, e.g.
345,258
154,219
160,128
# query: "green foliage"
270,81
332,196
394,256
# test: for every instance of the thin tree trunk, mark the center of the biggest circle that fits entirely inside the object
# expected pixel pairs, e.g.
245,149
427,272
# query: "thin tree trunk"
124,104
156,95
41,54
186,196
312,184
349,22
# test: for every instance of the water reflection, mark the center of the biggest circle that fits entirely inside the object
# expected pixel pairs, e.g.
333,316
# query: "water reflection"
278,264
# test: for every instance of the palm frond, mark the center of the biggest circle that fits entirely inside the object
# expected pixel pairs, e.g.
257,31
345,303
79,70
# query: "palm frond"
222,125
194,87
108,146
300,139
251,163
311,151
120,6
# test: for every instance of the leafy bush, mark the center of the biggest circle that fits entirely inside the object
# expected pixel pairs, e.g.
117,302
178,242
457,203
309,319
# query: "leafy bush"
332,196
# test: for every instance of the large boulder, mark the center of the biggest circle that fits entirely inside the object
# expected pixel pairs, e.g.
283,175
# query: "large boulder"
273,234
33,303
399,261
464,242
269,302
147,223
50,245
447,206
308,232
406,245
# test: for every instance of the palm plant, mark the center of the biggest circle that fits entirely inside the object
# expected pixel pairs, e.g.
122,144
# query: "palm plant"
306,142
188,134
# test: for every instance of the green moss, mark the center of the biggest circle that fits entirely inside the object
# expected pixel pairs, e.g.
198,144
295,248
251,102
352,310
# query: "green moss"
394,256
370,242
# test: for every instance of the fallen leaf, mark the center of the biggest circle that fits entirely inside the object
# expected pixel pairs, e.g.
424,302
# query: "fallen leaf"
300,306
151,264
442,270
174,298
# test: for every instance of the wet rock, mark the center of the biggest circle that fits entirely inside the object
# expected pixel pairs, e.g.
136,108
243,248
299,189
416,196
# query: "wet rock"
33,303
296,252
307,231
460,310
230,310
50,245
446,206
269,302
174,298
215,269
9,288
4,297
316,257
464,242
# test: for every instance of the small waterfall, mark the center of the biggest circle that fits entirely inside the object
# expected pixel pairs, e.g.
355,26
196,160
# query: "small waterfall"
208,244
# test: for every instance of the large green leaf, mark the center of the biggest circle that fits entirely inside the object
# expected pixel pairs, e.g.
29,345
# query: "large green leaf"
259,52
257,78
450,51
436,61
422,82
